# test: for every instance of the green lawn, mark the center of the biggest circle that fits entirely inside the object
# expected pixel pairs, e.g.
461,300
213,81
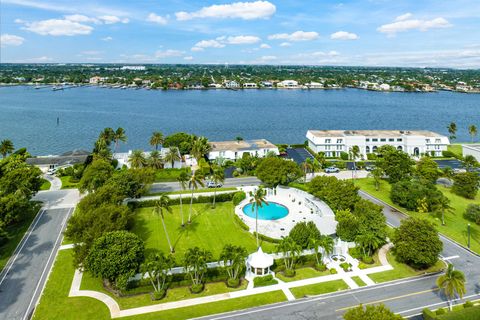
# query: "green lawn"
302,273
45,185
455,148
67,184
210,229
55,303
455,225
471,313
187,192
401,270
359,281
319,288
15,233
169,175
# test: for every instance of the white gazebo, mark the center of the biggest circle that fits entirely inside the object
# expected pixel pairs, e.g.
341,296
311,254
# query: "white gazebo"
259,263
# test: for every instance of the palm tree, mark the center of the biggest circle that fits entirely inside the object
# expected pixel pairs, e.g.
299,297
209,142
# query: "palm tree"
291,250
157,267
452,129
327,244
155,160
161,207
473,131
106,136
307,166
6,147
469,162
217,177
196,179
368,241
377,175
257,199
314,243
233,258
182,181
195,263
452,283
443,205
137,159
156,139
321,159
172,155
200,147
354,154
238,138
119,135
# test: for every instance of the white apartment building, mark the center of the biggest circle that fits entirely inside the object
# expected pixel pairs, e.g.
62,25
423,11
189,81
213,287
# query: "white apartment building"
233,150
471,150
250,85
414,142
231,84
287,84
135,68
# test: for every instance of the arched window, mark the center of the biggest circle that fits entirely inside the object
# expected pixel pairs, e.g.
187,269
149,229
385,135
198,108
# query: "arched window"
367,149
400,148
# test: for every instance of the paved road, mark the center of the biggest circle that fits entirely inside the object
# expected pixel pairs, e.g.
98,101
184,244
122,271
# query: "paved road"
406,297
229,182
23,279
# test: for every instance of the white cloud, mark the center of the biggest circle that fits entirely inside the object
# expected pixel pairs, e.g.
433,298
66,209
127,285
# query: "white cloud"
413,24
403,17
152,17
110,19
268,58
343,35
243,40
240,10
11,40
81,18
188,58
107,39
285,44
161,54
209,44
264,46
296,36
196,49
58,27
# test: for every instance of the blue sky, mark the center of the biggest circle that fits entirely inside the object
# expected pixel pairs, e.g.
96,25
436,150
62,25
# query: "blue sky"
433,33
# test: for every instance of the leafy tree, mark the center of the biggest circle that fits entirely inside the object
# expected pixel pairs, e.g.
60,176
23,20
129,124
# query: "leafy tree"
302,232
182,181
324,242
157,268
472,213
473,131
137,159
155,160
195,263
452,283
338,194
95,175
376,174
172,156
291,250
15,208
452,129
368,241
371,312
119,136
200,147
257,199
396,164
115,256
347,226
410,193
6,147
307,167
162,206
132,183
427,170
416,243
19,178
469,162
466,184
233,258
156,139
181,140
217,176
275,171
443,205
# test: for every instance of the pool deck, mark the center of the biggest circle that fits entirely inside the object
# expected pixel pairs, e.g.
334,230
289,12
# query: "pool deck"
301,205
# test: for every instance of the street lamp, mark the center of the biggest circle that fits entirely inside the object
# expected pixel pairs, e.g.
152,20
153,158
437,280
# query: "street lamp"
469,236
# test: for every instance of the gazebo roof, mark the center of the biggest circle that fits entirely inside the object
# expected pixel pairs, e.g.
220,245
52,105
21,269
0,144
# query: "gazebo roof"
260,259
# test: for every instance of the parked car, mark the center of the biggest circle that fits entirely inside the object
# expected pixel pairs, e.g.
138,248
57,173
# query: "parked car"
370,168
211,184
51,171
332,170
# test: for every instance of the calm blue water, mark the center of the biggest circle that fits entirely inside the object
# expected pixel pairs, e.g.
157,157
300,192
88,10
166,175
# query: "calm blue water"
273,211
28,116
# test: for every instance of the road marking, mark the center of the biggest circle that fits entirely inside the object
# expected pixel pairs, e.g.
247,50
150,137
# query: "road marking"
27,315
450,258
24,241
389,299
438,303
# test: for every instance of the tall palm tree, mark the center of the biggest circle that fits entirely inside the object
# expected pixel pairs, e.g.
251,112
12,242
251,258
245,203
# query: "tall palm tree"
155,160
119,135
156,139
354,155
452,129
257,199
162,206
291,250
307,167
6,147
172,155
200,147
196,179
469,162
472,130
217,177
137,159
452,283
443,205
106,136
368,241
182,181
327,244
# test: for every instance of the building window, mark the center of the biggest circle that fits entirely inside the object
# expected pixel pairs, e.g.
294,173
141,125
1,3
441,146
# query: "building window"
367,149
428,140
374,139
328,141
339,147
327,147
368,139
339,140
437,147
399,140
391,140
383,140
374,149
437,140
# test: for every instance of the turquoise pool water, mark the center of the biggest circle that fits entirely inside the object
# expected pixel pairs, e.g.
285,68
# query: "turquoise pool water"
273,211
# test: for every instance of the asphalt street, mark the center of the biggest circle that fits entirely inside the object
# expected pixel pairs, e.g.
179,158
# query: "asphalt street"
229,182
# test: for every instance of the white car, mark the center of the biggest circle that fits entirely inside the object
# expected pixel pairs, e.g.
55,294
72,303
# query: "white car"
332,170
51,171
211,184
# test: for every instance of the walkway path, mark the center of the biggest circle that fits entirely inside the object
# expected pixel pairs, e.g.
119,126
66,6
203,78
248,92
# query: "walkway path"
55,182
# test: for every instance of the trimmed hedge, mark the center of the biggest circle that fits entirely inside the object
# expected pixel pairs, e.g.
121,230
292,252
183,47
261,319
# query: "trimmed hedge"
428,314
265,238
238,197
222,197
240,223
264,281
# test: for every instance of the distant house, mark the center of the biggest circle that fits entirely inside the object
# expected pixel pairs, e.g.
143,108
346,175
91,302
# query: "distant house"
215,86
133,68
384,87
288,84
266,84
233,150
66,159
231,84
462,86
314,85
96,80
250,85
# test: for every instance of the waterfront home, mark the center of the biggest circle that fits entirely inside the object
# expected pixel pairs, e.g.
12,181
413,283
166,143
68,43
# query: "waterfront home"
266,84
250,85
414,142
463,87
288,84
314,85
231,84
59,161
384,87
123,157
215,86
471,150
233,150
96,80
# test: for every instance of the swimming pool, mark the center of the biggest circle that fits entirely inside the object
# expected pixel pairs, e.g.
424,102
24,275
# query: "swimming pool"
273,211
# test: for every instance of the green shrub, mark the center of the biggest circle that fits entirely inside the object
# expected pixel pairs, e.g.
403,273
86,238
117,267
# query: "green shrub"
472,213
266,238
468,304
346,266
233,283
344,155
240,223
196,288
367,259
289,273
264,281
170,174
320,267
440,311
448,154
428,314
159,295
466,184
371,156
238,197
410,193
333,271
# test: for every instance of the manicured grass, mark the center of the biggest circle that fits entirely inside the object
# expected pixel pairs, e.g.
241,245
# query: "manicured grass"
174,294
302,273
455,148
45,185
15,233
210,229
169,175
359,281
187,192
455,225
67,184
401,270
471,313
319,288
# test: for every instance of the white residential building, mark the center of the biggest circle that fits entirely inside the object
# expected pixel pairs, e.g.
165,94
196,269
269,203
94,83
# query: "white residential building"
96,80
415,143
471,150
314,85
231,84
288,84
233,150
384,87
250,85
135,68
